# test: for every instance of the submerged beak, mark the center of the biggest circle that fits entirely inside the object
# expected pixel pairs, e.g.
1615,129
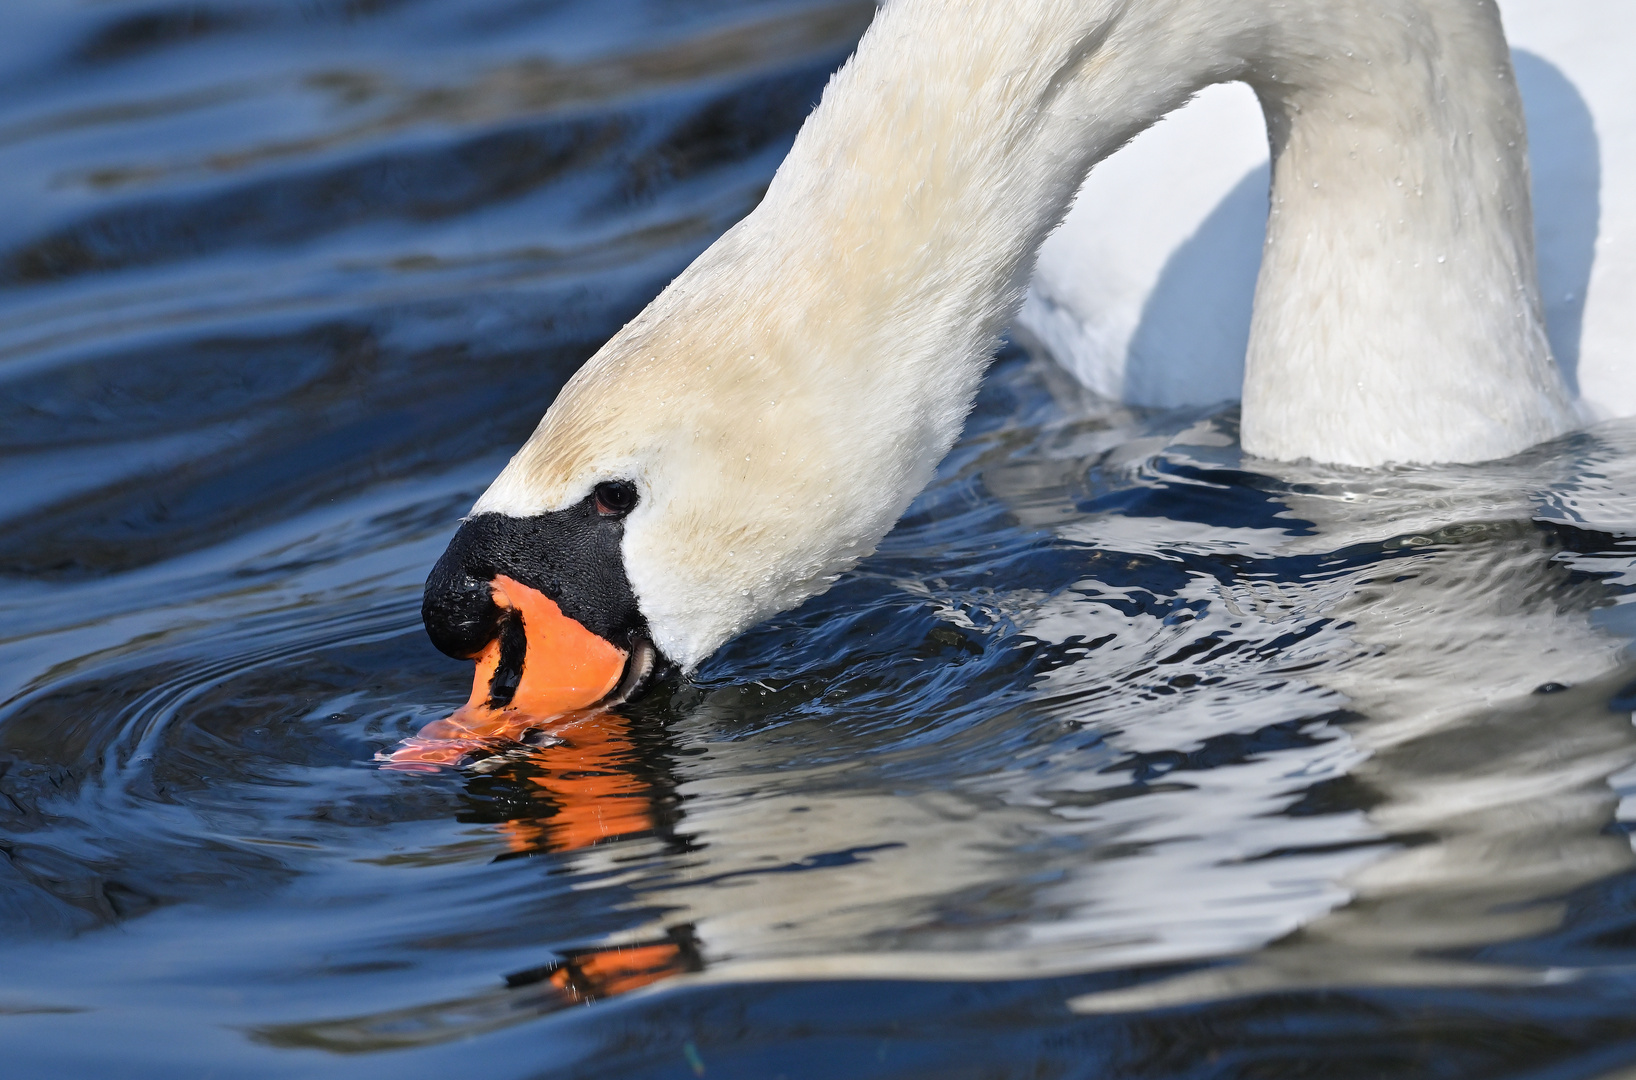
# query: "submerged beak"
541,665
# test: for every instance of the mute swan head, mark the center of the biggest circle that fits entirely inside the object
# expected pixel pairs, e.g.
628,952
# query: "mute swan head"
762,424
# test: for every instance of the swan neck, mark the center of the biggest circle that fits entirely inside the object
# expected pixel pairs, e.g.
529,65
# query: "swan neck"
1397,314
914,200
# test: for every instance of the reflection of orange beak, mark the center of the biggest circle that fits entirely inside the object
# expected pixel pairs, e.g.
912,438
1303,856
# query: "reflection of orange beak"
564,668
586,975
604,973
591,780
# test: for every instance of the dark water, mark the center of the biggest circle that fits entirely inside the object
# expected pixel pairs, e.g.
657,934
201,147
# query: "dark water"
1124,757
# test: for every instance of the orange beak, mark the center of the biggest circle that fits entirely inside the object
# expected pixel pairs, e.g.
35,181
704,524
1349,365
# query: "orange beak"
565,668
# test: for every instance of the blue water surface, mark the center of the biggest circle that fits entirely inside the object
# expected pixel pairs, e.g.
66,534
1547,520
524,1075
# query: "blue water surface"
1125,756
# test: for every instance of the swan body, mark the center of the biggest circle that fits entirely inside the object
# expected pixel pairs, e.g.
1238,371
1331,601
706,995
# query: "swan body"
1144,293
778,406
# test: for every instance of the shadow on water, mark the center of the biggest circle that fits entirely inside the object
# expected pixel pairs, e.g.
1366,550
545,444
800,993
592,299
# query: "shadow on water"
1208,281
1565,161
1124,756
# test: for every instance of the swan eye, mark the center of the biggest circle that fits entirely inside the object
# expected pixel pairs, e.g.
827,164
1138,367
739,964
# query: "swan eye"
614,498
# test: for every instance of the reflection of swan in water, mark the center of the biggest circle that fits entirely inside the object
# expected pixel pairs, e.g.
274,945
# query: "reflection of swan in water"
1374,643
1480,683
587,783
1430,608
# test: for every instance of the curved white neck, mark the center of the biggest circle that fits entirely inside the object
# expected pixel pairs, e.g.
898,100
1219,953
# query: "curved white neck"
1397,314
783,401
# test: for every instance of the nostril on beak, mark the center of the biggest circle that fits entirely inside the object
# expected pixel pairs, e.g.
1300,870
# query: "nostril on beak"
458,608
508,673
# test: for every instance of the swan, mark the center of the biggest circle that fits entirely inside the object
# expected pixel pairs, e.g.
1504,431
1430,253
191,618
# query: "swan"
761,425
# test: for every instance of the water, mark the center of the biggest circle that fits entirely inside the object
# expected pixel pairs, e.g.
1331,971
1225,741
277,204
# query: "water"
1125,756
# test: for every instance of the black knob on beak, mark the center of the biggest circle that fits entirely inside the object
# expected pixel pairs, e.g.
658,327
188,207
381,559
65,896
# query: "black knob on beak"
458,605
571,557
